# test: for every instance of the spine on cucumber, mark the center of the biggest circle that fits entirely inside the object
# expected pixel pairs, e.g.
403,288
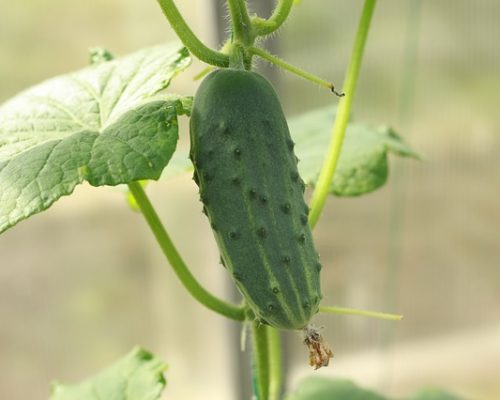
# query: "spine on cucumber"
252,193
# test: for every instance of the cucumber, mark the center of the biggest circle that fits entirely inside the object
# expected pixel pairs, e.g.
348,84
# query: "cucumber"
252,194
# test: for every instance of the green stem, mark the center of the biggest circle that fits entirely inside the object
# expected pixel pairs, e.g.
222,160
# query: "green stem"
261,360
399,181
177,263
224,50
289,67
203,72
264,27
362,313
189,39
241,26
275,372
328,169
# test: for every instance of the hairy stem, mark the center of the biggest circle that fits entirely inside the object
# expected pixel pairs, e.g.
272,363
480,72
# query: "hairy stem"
261,360
264,27
241,26
338,131
275,371
295,70
176,261
362,313
189,39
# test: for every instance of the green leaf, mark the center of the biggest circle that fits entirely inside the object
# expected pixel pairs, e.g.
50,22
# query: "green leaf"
137,376
320,388
363,164
434,394
108,124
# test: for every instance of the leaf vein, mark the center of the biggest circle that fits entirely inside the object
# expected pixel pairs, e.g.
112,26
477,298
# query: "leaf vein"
61,107
88,89
104,88
123,90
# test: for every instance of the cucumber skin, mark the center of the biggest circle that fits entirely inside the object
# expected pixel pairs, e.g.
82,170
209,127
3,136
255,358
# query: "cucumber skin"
252,193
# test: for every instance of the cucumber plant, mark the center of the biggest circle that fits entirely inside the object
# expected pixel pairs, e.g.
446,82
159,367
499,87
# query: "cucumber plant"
57,134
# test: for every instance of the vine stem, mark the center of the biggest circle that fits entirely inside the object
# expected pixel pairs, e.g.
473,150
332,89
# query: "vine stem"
267,370
362,313
275,372
176,261
241,26
263,27
338,131
292,68
261,360
189,39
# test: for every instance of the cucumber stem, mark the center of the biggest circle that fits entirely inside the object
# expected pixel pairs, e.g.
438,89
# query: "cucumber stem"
179,266
326,175
189,39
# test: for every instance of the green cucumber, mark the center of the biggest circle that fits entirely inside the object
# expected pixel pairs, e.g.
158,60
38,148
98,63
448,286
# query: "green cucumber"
252,193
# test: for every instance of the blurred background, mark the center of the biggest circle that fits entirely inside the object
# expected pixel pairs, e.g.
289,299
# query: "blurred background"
84,282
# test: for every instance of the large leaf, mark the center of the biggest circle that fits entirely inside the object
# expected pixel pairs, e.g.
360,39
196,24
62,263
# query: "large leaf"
108,124
320,388
362,166
137,376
